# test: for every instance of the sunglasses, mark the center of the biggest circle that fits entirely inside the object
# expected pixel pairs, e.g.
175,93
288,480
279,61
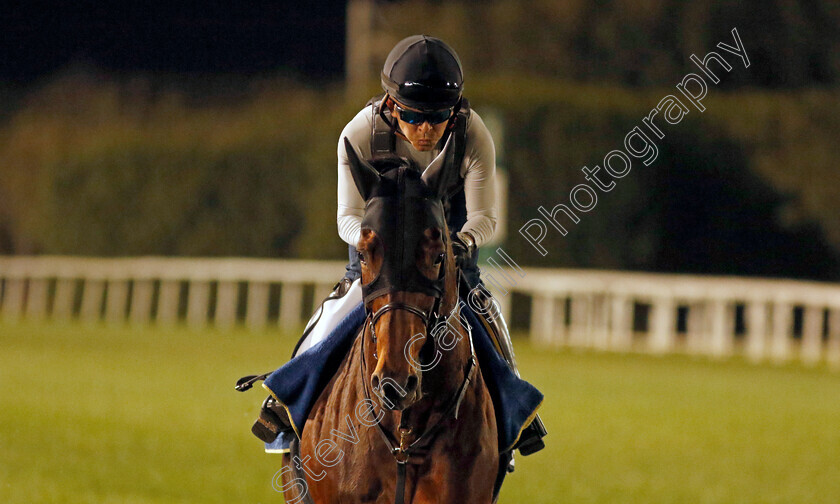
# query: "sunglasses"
415,117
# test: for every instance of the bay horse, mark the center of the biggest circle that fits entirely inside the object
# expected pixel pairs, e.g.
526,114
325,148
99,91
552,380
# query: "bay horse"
407,418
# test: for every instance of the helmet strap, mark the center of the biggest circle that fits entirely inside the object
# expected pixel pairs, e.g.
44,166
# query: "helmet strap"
454,119
387,101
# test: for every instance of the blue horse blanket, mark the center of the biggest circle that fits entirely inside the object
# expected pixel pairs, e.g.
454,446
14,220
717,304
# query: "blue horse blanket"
299,383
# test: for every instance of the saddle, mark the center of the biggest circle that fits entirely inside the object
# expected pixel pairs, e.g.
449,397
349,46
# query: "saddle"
296,386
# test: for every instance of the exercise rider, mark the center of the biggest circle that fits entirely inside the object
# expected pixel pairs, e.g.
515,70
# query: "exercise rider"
421,108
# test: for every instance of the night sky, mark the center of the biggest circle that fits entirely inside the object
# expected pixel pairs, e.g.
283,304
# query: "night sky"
238,36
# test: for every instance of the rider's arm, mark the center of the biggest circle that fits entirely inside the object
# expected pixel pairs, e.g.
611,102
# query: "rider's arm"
479,171
351,206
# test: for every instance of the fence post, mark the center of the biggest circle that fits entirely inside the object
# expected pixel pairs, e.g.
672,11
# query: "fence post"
621,323
505,305
291,302
600,321
14,298
226,300
141,301
256,314
833,350
65,291
36,298
92,292
812,326
663,326
723,314
756,319
168,298
117,300
782,329
560,332
542,319
697,327
198,303
580,328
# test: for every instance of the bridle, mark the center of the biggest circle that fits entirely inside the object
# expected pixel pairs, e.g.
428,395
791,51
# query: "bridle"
400,205
401,449
431,318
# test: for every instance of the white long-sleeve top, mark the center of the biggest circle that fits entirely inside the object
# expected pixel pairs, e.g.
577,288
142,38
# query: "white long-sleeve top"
478,170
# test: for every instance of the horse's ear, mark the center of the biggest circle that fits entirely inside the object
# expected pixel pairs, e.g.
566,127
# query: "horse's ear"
364,175
434,176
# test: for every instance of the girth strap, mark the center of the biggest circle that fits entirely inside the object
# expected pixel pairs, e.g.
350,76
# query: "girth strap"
400,497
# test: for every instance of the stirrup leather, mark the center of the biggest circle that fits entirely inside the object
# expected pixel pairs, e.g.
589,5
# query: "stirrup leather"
530,440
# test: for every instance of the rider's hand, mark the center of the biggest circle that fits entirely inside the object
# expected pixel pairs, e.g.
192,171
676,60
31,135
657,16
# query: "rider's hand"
463,246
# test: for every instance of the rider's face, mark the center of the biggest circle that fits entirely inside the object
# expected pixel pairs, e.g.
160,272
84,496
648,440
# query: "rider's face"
423,137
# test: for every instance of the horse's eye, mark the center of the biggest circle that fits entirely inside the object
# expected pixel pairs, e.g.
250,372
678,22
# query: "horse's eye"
439,258
361,257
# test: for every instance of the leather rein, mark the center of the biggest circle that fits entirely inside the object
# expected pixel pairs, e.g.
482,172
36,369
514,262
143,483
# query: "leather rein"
402,451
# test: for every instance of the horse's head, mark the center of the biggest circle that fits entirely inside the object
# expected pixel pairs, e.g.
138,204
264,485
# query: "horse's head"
408,275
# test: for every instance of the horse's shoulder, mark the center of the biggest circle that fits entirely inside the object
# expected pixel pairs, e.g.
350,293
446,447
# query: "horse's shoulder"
340,392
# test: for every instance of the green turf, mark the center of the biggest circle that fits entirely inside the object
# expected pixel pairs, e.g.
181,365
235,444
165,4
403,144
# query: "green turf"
117,415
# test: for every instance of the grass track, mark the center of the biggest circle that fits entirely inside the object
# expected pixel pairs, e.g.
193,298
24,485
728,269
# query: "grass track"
127,415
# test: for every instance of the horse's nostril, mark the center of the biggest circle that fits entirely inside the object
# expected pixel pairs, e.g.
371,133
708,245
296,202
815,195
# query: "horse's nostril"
374,381
411,384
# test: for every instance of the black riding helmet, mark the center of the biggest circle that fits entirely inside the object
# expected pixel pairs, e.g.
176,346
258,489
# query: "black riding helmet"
423,73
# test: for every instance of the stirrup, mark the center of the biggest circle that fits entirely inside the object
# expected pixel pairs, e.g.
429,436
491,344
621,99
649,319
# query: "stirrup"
340,288
530,441
272,421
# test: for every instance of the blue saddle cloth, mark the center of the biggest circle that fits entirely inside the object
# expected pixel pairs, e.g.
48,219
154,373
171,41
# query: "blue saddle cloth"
299,383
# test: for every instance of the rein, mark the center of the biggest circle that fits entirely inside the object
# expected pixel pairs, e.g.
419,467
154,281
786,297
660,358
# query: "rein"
401,449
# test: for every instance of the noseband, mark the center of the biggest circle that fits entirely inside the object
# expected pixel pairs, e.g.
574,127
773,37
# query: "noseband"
401,449
430,318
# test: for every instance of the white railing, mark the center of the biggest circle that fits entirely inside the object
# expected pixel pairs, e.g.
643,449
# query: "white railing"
716,316
660,313
166,290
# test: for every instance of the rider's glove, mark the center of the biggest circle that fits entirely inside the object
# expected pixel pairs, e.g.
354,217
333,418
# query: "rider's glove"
463,246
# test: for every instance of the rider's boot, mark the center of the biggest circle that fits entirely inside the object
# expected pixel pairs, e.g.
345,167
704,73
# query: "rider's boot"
530,440
273,420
